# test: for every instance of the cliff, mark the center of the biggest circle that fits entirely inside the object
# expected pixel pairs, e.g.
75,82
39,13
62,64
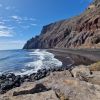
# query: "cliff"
82,31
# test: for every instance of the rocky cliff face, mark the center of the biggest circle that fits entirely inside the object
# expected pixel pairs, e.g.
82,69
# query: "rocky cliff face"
78,32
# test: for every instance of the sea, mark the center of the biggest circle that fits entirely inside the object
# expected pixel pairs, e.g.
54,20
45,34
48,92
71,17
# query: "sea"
22,62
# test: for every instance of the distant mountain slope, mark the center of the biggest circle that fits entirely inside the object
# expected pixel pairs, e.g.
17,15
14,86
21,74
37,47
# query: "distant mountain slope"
79,32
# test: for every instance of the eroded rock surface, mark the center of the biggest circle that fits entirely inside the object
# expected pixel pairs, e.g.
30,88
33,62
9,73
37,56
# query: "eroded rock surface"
60,85
79,32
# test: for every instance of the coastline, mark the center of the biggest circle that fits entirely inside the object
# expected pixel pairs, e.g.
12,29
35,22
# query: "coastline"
70,58
44,82
77,56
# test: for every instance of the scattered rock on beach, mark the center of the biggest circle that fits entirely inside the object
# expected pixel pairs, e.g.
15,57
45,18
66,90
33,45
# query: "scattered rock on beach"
9,81
59,85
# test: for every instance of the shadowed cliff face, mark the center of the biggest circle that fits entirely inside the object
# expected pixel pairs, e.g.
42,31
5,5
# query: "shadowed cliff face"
79,32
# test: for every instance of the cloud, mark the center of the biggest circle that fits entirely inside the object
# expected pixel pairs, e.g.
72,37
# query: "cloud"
26,27
6,20
2,22
24,22
33,24
8,8
17,18
29,19
18,41
2,27
11,44
6,31
1,5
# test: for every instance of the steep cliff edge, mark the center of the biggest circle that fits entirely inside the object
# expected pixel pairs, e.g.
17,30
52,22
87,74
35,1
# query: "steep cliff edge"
79,32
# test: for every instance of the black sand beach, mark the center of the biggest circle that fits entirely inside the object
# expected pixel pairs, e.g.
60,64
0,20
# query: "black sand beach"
76,56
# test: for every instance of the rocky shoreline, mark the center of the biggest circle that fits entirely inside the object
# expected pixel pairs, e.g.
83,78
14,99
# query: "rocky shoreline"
78,83
10,80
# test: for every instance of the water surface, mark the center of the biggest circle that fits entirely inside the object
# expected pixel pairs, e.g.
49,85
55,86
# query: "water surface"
26,61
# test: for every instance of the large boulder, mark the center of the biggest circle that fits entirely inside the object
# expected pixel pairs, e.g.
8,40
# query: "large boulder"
84,73
56,86
73,89
78,71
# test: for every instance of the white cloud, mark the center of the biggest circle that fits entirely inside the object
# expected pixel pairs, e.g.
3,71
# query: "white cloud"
26,27
34,24
6,31
17,18
32,19
1,5
18,41
24,22
6,27
2,23
2,27
11,44
8,8
5,20
29,19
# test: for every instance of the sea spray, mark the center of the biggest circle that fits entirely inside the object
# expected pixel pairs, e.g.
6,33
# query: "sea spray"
22,62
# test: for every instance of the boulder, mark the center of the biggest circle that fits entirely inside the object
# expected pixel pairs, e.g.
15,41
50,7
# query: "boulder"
84,74
57,86
73,89
80,70
95,79
9,81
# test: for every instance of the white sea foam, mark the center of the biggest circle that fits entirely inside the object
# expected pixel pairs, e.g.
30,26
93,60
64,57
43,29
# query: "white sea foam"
27,62
46,60
27,72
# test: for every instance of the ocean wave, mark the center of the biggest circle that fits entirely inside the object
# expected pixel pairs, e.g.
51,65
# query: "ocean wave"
27,62
46,60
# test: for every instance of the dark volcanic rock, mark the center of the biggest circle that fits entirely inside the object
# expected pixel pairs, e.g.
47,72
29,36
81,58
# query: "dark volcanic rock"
9,81
80,31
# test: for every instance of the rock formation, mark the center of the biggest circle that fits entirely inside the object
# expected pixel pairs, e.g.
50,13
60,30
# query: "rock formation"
80,83
78,32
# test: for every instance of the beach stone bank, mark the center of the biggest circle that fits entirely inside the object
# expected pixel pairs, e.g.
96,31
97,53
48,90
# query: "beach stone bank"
10,80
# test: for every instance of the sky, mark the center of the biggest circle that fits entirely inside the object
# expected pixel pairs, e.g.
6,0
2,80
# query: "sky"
21,20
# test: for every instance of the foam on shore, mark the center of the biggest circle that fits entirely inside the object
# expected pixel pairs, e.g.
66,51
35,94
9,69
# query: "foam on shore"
44,59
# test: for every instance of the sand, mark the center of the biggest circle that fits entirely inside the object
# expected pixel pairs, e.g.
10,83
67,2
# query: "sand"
76,56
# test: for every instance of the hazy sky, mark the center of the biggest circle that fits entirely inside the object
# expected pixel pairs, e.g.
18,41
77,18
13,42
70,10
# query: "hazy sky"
22,19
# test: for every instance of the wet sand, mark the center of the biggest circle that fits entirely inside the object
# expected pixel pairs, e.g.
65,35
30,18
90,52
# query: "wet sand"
76,56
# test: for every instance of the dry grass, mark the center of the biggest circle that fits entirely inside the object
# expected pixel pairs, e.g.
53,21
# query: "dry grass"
95,67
